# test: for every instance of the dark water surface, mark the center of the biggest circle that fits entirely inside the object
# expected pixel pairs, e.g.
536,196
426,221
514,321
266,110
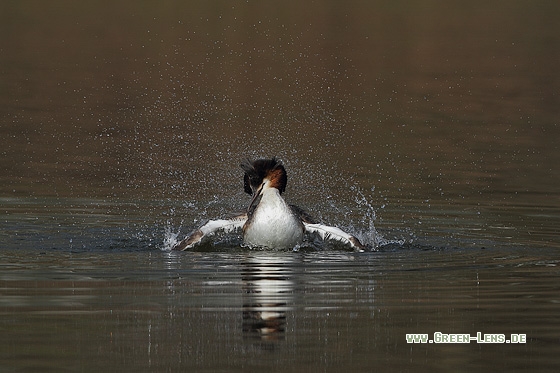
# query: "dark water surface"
428,129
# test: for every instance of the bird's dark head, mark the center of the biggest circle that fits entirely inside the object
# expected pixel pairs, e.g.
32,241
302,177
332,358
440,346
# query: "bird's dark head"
270,171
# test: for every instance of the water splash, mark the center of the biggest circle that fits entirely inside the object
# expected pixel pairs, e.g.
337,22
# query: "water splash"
370,236
169,238
364,229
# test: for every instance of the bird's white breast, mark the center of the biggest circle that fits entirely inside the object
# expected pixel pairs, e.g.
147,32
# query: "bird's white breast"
273,224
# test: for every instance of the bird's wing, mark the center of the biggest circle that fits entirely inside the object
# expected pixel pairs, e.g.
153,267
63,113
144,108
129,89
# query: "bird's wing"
302,214
333,233
209,228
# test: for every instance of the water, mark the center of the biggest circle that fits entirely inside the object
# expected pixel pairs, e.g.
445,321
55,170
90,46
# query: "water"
151,310
427,130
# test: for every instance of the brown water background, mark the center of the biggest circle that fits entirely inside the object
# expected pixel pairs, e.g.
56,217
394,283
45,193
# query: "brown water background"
428,128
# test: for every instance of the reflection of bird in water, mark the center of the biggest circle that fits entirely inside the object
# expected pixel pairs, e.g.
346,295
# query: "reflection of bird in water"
269,221
267,290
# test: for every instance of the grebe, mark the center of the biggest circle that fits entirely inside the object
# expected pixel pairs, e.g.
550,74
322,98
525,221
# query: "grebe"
269,221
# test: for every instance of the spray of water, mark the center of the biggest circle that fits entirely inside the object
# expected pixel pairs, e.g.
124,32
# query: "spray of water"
365,230
370,236
169,238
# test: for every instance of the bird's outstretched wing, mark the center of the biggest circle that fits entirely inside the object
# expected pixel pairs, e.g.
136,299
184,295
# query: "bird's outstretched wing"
333,233
209,228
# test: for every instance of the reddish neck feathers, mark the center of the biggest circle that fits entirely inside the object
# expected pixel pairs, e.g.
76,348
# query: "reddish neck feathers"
277,178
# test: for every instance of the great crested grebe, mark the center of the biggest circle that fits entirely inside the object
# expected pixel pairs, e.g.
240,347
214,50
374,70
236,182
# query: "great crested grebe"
269,221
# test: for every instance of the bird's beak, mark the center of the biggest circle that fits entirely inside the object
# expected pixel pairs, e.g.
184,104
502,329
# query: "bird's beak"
256,197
